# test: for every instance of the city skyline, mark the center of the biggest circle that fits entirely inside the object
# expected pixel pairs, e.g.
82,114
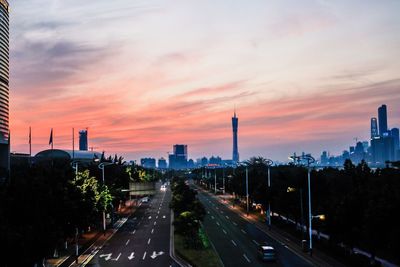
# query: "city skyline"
141,88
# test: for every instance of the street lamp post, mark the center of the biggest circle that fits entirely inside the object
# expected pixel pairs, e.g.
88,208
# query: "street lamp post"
269,163
309,160
215,181
101,166
247,190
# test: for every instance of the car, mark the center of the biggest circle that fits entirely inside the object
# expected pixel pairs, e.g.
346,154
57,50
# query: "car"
163,188
145,200
267,253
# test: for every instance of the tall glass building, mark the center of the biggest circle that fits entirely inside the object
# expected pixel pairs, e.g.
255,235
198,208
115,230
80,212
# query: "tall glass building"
4,80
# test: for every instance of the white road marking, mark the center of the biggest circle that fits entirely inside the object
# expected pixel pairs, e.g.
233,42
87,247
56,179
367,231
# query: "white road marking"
234,223
106,257
144,255
155,223
117,258
243,231
212,217
131,256
149,217
163,217
208,211
127,242
134,231
156,217
218,224
248,260
223,230
255,242
148,242
233,242
227,217
152,230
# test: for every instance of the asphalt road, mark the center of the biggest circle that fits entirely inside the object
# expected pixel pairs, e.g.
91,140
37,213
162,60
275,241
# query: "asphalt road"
236,240
144,240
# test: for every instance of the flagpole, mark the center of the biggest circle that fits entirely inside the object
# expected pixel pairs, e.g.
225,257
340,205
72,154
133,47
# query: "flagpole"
73,143
30,141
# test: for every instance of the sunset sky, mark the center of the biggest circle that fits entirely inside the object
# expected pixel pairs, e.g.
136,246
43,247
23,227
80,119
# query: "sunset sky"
143,75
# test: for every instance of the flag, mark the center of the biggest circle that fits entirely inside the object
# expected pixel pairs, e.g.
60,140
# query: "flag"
51,137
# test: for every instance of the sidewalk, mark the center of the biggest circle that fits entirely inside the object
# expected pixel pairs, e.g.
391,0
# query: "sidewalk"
318,259
89,243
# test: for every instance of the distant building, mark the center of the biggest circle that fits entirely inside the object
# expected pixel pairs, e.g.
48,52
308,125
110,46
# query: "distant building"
204,161
235,152
395,135
4,90
324,158
383,122
149,163
190,164
374,128
83,140
64,154
179,159
162,164
215,160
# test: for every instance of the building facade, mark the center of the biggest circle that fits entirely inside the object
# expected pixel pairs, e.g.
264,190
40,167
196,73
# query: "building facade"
374,128
235,151
383,121
179,158
149,163
4,91
83,140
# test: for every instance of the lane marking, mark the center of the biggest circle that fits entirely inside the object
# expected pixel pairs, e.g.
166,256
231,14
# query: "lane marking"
243,231
149,217
248,260
255,242
155,223
156,217
134,231
227,217
212,217
234,223
163,217
117,258
218,224
233,242
223,230
152,230
144,255
148,242
127,242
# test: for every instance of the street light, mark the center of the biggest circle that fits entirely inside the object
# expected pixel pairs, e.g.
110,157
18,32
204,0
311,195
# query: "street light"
247,190
269,162
101,167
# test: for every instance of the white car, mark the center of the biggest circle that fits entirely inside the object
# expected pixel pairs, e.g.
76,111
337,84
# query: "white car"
145,200
163,188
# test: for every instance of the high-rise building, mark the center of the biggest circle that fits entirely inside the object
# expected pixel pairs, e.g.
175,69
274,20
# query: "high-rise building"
162,164
149,163
382,116
235,152
374,128
4,93
395,135
179,158
83,140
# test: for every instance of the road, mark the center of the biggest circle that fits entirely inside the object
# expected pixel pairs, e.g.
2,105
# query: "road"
143,240
236,240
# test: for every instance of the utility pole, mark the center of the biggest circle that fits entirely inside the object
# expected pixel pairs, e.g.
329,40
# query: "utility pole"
247,190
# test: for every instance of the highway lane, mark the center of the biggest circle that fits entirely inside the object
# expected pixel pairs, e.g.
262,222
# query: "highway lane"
236,240
144,240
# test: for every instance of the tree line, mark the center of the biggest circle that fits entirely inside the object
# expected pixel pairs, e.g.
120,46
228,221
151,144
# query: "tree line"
43,205
360,205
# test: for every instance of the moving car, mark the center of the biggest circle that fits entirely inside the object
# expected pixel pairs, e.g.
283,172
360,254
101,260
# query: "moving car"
267,253
163,187
145,200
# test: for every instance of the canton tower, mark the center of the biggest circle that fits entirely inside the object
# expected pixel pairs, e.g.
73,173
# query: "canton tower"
235,153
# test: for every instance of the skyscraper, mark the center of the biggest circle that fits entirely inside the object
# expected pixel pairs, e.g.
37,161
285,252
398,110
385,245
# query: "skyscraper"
374,128
382,116
4,81
178,160
83,140
235,152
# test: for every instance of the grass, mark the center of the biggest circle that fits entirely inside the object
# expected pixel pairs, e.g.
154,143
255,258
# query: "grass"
205,257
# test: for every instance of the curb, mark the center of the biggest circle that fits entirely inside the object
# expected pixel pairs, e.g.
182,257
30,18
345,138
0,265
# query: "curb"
176,258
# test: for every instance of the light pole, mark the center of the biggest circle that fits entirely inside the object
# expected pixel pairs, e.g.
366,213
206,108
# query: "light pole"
309,160
215,181
269,163
223,179
101,167
247,190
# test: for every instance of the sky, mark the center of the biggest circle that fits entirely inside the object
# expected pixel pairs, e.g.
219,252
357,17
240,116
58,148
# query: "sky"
143,75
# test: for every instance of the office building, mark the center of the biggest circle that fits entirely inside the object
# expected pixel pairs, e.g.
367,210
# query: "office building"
4,92
235,152
162,164
395,135
83,140
382,117
179,158
374,128
149,163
